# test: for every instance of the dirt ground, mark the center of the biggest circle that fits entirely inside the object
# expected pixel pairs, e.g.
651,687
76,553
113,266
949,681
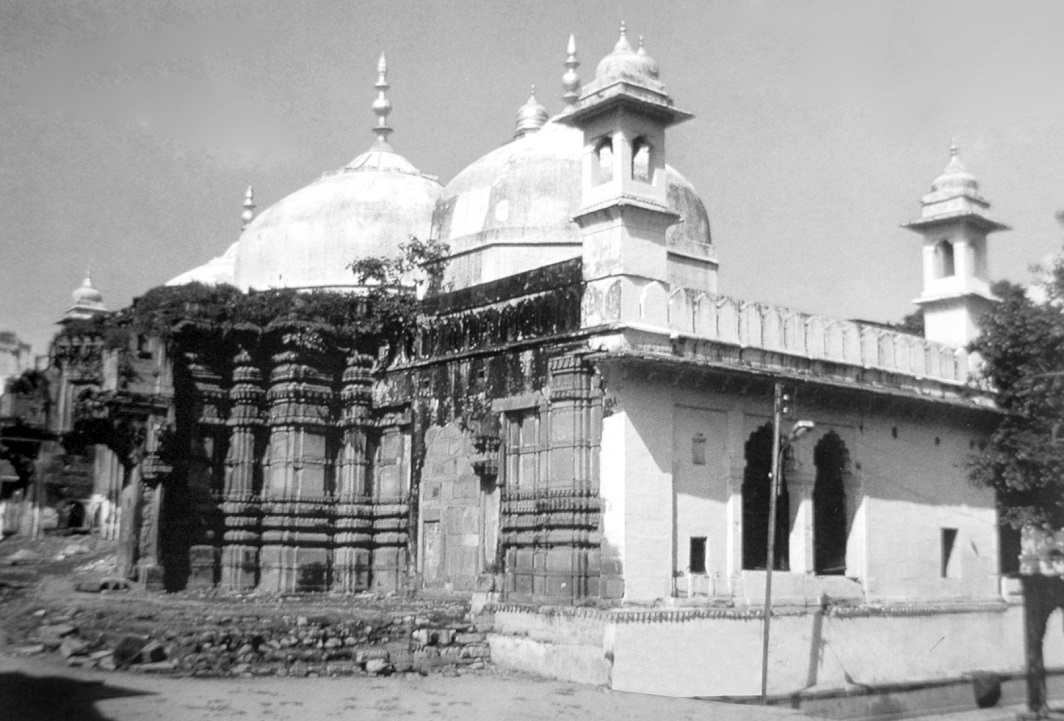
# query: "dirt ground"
43,687
32,689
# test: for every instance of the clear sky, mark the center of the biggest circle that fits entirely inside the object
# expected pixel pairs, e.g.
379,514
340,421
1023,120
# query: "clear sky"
129,130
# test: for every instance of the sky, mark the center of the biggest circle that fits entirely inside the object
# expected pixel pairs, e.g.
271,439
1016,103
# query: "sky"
129,130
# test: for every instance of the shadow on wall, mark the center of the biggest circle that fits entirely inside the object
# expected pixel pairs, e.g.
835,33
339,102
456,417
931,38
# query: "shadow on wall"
47,698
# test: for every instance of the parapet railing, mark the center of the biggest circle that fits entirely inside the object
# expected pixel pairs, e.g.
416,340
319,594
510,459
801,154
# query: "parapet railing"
785,330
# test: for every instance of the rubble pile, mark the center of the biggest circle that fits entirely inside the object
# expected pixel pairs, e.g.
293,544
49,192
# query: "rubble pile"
191,643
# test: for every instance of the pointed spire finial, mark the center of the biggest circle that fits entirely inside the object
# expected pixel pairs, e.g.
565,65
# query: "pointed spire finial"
622,42
382,107
248,213
570,79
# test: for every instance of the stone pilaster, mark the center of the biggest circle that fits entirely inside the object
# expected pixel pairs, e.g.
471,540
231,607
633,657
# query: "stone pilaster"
800,476
206,471
242,535
391,506
552,532
297,484
352,557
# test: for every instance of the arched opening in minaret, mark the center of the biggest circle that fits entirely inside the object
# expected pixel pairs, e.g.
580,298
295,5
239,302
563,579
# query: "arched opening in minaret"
641,169
830,523
944,259
603,161
757,489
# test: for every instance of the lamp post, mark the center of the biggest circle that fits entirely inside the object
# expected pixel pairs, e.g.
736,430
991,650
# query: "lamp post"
779,446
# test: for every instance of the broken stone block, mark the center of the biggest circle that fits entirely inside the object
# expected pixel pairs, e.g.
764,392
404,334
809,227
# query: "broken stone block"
30,649
128,649
152,652
476,650
24,556
73,647
56,632
378,667
114,583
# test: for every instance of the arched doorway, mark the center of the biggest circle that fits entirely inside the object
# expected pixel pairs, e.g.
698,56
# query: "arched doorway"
756,495
830,524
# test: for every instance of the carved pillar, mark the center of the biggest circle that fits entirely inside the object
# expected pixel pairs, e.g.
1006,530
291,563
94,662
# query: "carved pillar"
391,506
205,474
240,506
130,520
297,485
354,519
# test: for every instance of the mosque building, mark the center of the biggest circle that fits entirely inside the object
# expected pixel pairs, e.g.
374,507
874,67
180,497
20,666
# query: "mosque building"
583,421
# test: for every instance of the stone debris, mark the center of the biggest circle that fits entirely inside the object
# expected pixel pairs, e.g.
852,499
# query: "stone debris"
73,647
205,644
378,667
24,556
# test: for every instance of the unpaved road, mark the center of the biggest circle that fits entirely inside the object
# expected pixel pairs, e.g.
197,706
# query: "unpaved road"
33,689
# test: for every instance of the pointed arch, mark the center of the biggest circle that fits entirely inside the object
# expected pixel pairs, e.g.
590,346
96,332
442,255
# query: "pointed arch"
756,491
944,267
830,518
641,160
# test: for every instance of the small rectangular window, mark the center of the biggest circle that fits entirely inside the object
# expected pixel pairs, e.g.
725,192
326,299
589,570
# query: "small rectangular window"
698,450
949,540
698,554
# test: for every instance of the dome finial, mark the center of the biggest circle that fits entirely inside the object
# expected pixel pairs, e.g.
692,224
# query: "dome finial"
649,63
382,107
531,116
622,42
248,213
953,149
570,80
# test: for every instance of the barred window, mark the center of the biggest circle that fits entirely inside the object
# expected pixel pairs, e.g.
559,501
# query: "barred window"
521,449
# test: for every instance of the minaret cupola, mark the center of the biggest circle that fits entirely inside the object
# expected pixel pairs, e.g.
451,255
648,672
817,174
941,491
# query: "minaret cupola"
531,116
624,213
88,301
954,223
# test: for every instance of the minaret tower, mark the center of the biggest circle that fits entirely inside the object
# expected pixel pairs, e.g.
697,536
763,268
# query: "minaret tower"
954,224
624,213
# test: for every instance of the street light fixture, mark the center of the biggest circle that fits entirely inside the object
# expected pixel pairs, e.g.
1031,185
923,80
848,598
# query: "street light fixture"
779,446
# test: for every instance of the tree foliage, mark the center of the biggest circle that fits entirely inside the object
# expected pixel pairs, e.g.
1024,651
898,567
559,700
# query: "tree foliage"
1022,346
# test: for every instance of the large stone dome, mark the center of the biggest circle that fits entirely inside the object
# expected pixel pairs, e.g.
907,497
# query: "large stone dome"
512,209
365,209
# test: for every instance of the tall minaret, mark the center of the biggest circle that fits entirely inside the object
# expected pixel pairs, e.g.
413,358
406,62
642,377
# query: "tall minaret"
624,211
954,224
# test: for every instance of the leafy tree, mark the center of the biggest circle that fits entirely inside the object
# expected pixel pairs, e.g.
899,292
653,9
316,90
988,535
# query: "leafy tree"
1022,347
